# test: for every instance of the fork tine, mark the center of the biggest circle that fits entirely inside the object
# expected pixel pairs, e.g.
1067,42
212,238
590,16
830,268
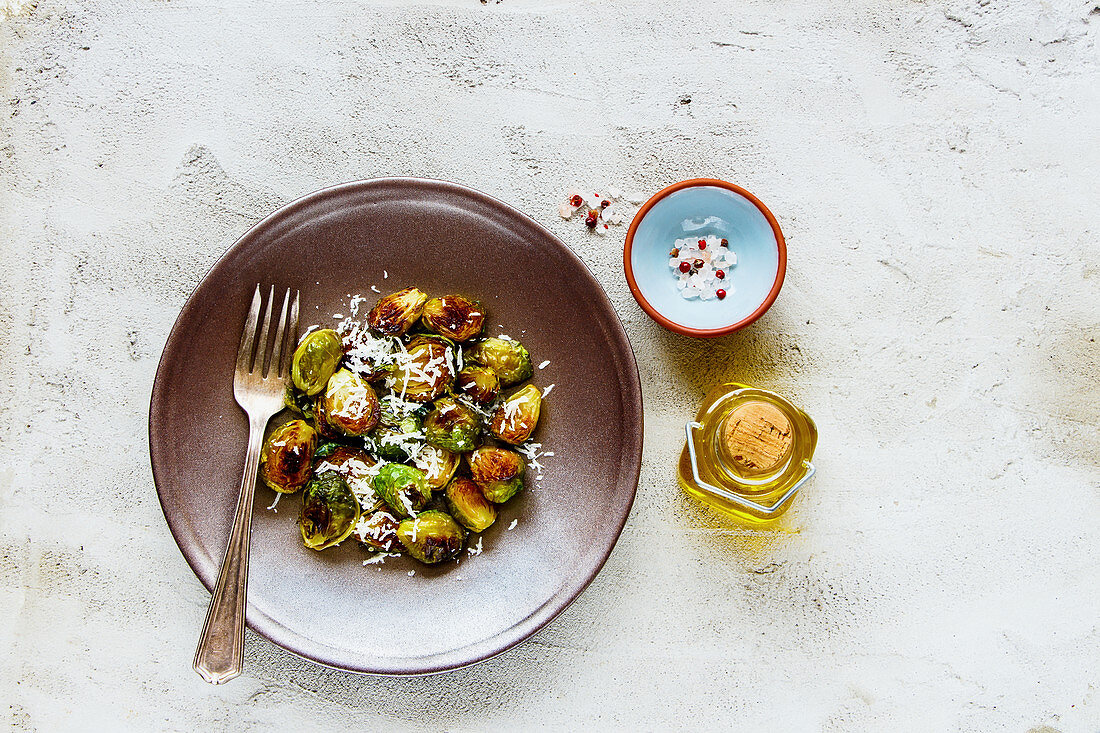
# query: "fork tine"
291,336
277,352
261,348
248,335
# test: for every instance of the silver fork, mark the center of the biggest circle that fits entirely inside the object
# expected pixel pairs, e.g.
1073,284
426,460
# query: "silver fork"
259,392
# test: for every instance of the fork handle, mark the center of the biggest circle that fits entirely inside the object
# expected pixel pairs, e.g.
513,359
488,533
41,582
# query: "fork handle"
221,646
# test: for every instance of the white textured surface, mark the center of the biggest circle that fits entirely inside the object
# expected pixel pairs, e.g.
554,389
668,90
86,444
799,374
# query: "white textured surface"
935,168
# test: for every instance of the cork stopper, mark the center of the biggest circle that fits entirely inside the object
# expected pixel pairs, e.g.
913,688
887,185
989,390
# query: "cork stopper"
756,436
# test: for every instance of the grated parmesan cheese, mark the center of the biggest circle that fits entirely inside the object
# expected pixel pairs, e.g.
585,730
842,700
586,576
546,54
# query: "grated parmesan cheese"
513,525
380,558
544,364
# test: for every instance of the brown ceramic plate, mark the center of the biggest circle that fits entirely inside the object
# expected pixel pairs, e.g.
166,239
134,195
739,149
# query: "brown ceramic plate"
443,238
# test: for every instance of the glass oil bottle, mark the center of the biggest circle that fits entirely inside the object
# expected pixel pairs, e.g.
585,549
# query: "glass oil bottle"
748,453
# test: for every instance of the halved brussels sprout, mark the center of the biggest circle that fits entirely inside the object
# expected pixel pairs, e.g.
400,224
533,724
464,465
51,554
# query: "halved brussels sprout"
480,383
424,372
507,357
452,426
378,531
469,506
403,488
515,418
329,511
315,360
350,404
287,456
454,316
431,537
396,312
497,471
437,464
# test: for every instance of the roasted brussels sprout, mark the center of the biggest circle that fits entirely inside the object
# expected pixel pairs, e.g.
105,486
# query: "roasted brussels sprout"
396,312
403,488
398,415
315,360
329,511
498,472
431,537
479,383
287,456
454,316
515,418
468,505
389,444
424,372
452,426
507,357
437,464
350,404
378,531
354,464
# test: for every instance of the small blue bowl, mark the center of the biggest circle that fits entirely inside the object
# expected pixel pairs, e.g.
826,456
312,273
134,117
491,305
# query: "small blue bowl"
698,208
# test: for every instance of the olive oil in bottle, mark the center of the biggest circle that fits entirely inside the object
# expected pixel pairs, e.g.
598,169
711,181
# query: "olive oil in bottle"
748,453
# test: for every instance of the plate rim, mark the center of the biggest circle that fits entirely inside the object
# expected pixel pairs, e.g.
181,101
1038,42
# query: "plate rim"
545,613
